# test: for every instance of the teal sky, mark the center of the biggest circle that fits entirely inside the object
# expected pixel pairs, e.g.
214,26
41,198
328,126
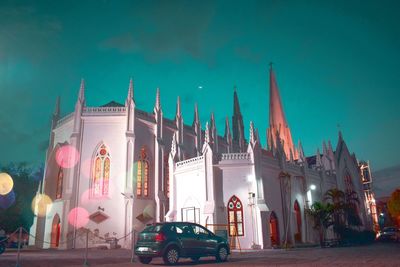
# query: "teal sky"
337,63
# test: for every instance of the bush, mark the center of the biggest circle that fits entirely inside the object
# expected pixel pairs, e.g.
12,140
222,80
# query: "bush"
350,236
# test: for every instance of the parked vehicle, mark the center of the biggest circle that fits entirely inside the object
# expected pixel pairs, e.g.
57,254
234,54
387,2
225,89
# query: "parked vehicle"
174,240
389,234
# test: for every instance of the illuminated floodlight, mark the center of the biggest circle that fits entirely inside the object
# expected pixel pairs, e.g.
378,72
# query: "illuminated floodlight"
249,178
313,187
6,183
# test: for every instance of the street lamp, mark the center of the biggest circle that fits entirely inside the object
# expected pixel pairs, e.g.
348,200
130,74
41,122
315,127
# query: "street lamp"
313,187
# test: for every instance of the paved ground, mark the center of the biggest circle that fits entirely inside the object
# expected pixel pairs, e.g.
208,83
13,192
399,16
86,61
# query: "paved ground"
373,255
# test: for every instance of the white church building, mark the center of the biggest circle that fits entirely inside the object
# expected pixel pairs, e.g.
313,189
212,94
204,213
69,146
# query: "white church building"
131,168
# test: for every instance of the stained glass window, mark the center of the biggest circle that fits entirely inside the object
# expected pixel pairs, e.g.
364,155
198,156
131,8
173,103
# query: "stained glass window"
235,217
142,181
60,178
101,173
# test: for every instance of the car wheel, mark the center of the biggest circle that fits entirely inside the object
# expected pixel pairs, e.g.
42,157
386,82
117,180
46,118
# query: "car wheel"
2,248
195,259
171,256
145,260
222,254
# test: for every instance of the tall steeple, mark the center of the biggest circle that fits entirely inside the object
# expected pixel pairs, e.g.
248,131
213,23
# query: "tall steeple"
277,120
237,123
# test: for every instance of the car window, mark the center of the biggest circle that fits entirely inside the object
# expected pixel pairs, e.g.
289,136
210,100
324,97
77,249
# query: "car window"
183,229
153,228
200,231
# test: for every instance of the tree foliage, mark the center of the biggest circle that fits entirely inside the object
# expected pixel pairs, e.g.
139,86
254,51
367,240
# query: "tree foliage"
18,212
394,204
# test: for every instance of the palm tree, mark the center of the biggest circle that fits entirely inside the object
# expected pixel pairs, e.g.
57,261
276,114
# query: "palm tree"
351,209
337,199
322,217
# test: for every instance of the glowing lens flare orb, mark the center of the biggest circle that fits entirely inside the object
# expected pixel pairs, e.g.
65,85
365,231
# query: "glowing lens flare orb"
40,204
6,183
67,156
8,200
78,217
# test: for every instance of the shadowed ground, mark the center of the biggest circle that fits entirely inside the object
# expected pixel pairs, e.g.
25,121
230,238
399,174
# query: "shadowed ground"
373,255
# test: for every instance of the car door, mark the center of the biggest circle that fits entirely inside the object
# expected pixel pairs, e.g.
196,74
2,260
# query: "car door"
206,244
186,239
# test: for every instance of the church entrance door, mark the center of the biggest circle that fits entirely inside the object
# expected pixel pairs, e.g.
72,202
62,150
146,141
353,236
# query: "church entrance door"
55,232
274,229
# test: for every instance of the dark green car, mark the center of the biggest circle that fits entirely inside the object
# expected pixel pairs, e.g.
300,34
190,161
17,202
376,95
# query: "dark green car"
174,240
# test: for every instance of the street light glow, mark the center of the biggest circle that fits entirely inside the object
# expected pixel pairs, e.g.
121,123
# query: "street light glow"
313,187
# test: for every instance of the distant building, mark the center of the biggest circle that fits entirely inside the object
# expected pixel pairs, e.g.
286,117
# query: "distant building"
366,179
134,168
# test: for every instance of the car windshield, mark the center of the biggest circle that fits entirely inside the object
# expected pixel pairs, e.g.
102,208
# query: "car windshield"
153,228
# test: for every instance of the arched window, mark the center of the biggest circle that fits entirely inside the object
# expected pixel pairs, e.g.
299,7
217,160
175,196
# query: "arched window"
142,181
101,173
235,217
166,176
348,183
59,188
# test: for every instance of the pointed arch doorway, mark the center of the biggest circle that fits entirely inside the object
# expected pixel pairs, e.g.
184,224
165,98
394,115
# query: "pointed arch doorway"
297,235
274,229
55,232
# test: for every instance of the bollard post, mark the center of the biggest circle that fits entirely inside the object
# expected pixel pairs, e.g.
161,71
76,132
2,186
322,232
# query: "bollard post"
133,246
86,263
19,247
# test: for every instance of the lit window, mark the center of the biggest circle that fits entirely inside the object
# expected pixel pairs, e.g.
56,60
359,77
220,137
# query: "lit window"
101,173
142,181
60,178
235,217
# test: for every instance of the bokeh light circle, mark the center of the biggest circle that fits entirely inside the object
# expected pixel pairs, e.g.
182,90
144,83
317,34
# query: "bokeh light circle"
6,183
67,156
78,217
6,201
40,204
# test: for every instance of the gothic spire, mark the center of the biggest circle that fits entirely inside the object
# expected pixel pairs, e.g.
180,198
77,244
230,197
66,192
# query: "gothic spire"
252,134
207,134
178,107
57,108
318,160
227,129
158,99
129,96
236,106
277,119
82,91
196,115
237,120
